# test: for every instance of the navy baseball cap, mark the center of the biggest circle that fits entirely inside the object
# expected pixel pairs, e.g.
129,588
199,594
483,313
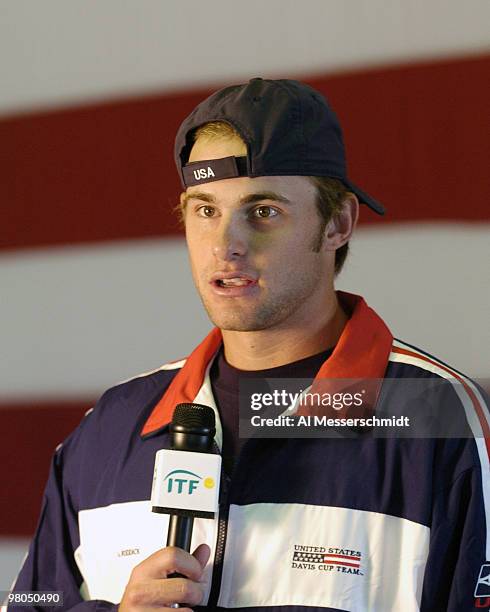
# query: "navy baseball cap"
289,130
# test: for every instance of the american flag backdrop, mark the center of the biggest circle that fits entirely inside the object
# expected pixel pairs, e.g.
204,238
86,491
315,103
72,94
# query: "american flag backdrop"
94,280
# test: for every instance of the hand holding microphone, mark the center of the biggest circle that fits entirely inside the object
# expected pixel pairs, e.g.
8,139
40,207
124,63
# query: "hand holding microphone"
186,486
150,585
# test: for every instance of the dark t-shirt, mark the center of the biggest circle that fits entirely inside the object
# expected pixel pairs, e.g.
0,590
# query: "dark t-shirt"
225,384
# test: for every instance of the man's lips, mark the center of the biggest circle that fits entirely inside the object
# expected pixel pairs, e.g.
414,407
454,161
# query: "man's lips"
233,283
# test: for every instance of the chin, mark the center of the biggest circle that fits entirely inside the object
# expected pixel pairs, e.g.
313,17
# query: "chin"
234,324
240,322
236,318
233,321
241,328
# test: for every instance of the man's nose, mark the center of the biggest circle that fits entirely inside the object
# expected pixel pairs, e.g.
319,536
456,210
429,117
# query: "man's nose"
230,241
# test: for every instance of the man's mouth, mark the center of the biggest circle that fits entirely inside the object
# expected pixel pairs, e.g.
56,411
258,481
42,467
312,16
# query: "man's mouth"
234,284
237,281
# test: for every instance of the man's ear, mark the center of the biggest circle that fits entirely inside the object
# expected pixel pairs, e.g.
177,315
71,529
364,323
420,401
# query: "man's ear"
180,208
339,229
182,200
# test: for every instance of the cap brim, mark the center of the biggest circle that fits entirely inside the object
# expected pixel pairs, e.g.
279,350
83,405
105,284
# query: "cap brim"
364,198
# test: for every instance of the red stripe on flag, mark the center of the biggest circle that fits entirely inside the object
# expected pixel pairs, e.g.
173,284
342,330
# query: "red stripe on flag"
31,431
106,172
342,563
354,557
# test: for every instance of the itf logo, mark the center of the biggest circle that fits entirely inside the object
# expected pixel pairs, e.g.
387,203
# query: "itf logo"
483,584
186,482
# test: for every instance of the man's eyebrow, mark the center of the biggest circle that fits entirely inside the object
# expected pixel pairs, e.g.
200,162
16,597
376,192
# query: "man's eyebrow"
248,199
198,195
264,195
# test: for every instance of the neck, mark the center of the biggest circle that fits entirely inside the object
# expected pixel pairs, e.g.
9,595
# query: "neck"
270,348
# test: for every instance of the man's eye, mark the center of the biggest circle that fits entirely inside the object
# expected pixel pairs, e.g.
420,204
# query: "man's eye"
206,211
264,212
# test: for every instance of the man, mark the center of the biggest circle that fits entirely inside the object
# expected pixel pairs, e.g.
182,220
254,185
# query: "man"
347,523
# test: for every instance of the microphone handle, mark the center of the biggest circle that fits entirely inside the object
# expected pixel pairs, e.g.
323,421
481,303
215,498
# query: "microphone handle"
180,531
180,535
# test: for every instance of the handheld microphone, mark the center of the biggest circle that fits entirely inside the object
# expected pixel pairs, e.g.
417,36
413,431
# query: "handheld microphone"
186,478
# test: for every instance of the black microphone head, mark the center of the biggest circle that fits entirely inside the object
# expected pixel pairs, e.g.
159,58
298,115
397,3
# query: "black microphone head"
194,417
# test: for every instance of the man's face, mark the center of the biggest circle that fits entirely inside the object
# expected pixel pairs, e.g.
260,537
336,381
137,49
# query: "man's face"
251,244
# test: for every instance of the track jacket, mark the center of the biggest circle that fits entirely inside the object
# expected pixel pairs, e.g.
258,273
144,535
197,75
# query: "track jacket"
364,525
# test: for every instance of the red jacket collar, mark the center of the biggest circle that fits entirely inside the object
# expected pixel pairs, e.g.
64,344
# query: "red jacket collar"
361,352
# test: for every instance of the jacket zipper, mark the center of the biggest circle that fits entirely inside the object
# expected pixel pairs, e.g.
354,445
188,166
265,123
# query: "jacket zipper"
218,558
224,511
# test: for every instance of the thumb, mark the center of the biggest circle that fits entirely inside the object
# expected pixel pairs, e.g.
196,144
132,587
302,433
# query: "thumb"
202,554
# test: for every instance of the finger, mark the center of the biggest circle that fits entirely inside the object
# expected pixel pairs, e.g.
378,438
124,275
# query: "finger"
202,554
178,590
156,593
168,561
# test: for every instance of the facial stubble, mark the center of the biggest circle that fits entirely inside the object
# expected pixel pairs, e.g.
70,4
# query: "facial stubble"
275,309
